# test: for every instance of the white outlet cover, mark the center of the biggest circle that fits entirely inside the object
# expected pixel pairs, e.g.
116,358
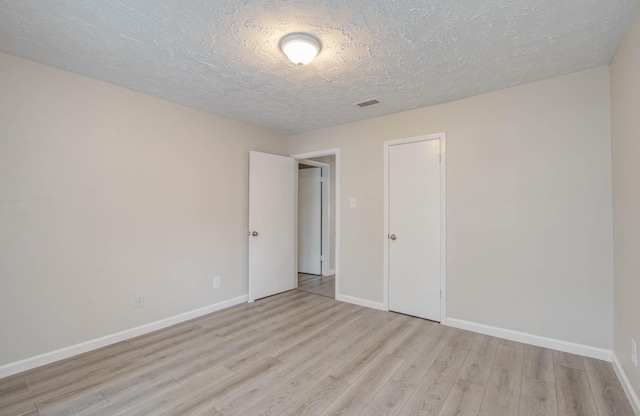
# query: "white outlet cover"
352,202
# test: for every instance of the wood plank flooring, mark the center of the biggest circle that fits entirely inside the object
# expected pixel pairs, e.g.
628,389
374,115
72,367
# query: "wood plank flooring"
320,285
303,354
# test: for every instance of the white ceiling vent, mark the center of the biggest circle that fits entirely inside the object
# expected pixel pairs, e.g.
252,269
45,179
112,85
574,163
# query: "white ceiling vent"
368,103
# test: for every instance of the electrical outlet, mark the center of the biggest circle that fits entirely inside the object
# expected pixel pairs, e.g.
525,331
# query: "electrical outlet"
216,282
634,352
139,302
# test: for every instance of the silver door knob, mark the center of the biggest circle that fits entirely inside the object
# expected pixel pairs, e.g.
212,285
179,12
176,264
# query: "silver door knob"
254,233
393,237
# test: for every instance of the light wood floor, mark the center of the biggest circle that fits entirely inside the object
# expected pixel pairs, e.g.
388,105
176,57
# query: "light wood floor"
302,354
320,285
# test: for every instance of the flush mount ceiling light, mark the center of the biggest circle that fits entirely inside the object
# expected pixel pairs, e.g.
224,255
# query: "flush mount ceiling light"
300,48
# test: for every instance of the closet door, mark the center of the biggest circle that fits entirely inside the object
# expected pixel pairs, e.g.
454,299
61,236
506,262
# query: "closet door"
414,228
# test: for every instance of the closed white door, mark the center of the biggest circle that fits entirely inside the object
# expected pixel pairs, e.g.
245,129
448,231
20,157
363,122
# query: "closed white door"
272,181
414,229
310,220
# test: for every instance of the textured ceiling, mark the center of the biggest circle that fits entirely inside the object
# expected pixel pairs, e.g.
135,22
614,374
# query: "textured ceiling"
222,56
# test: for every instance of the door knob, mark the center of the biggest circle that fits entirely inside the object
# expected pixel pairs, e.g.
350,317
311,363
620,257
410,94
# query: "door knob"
254,233
393,237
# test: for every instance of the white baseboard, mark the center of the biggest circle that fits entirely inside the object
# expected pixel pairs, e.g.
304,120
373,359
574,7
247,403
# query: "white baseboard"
50,357
361,302
554,344
331,273
626,384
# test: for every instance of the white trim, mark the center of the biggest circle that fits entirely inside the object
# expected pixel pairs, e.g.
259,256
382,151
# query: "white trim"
313,163
331,272
443,228
362,302
296,266
626,384
326,219
50,357
443,217
329,152
551,343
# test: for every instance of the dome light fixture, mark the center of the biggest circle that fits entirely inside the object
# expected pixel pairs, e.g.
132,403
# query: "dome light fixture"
300,48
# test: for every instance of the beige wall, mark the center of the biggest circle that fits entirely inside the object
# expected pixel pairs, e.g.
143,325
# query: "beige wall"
528,205
106,194
625,144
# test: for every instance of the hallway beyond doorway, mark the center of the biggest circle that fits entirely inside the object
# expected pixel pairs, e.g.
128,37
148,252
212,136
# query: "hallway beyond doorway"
319,285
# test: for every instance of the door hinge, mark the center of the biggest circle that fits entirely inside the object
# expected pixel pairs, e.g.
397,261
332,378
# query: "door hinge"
321,257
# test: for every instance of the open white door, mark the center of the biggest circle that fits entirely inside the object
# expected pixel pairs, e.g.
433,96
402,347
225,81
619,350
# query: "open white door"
272,204
310,220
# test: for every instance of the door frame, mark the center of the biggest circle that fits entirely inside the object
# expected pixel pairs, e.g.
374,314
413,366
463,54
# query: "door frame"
325,211
443,217
336,181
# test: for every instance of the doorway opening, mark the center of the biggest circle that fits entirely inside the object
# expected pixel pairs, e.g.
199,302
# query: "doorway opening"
317,222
